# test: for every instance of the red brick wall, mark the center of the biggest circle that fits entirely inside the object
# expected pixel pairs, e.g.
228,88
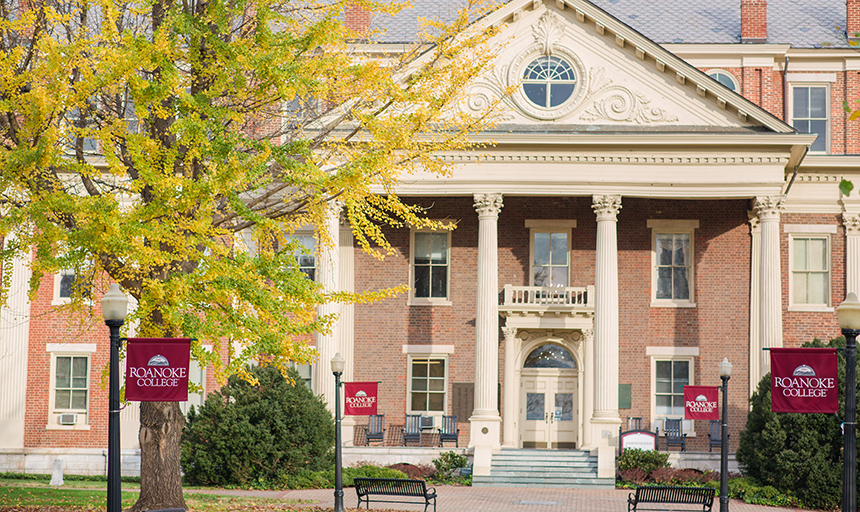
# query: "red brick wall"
47,326
719,324
802,326
852,8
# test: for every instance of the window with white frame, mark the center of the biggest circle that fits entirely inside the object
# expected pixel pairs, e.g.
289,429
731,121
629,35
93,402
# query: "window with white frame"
428,385
671,370
672,260
66,283
809,260
305,372
810,113
69,385
725,78
196,375
550,252
431,257
305,255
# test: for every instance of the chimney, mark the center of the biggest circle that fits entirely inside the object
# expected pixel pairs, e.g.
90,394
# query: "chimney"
852,9
356,19
754,21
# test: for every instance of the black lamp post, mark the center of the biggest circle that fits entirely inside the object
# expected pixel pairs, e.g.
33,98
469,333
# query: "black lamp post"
849,322
725,374
114,308
337,364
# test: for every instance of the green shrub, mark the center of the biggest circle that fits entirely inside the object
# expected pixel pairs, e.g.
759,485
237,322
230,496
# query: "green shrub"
252,435
797,454
448,462
646,460
306,479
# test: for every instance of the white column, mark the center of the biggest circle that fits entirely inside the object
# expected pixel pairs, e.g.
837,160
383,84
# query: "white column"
606,319
346,321
768,210
327,344
509,421
852,252
587,388
485,421
14,339
756,353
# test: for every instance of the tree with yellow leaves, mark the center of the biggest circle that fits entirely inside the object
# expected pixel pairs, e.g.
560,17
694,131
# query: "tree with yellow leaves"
173,147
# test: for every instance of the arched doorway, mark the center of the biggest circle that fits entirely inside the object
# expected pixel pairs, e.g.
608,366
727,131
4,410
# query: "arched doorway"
548,398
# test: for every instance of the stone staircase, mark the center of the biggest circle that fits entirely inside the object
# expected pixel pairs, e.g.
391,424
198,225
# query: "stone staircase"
572,469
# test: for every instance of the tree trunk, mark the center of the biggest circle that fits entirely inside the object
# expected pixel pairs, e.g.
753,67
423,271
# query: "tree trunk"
160,475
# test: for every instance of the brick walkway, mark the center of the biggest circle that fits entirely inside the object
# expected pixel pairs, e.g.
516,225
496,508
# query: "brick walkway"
504,499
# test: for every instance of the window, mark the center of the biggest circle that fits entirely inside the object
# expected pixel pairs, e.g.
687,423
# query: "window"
548,82
305,255
66,284
79,130
672,262
809,261
430,260
305,372
68,403
809,108
196,375
671,370
428,385
550,252
725,78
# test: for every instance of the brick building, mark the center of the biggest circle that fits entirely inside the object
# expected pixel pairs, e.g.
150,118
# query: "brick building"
662,193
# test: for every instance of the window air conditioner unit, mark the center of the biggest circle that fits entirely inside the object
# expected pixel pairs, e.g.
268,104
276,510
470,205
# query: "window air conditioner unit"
68,419
427,422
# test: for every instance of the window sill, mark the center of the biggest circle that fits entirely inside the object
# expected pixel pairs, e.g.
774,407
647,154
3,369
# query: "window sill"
67,427
428,302
668,304
811,308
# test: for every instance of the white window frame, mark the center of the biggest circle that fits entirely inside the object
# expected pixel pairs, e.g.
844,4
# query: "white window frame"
196,375
806,231
314,252
428,301
688,354
715,72
58,278
69,350
671,226
548,226
419,352
828,121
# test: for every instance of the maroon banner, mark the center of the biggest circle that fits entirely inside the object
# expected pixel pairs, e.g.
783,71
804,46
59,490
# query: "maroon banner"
156,369
700,403
803,380
359,398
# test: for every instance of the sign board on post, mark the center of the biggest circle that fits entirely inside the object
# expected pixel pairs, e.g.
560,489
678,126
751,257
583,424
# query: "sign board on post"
359,398
639,439
804,380
156,369
700,403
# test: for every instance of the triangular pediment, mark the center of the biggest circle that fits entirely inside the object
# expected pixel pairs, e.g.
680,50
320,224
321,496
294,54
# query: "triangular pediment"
622,81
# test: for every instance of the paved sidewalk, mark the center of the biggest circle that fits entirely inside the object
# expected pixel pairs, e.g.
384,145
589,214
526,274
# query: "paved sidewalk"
503,499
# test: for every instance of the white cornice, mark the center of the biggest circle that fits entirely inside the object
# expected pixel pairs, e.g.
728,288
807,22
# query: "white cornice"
543,157
831,163
724,49
649,139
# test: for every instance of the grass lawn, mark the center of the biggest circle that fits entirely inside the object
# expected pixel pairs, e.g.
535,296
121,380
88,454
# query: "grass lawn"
18,497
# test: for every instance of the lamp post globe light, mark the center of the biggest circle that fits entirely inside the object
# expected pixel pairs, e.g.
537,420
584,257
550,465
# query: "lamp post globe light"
849,323
337,365
114,310
725,368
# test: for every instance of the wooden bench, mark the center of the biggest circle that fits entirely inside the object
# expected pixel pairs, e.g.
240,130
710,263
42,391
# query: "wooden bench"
366,488
703,496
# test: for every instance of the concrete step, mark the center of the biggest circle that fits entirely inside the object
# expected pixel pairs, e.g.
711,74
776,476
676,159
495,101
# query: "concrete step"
575,483
543,468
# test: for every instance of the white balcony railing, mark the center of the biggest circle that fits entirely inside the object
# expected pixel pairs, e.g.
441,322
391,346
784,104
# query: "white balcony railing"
538,298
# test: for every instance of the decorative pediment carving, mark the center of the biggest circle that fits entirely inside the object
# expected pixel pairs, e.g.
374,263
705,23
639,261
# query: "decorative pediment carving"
616,103
547,31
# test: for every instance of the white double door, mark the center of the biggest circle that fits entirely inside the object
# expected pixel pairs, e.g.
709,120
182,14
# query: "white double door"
548,408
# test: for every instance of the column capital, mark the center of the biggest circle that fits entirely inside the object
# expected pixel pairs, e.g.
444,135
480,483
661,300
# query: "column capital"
606,207
509,332
755,222
851,223
488,205
769,207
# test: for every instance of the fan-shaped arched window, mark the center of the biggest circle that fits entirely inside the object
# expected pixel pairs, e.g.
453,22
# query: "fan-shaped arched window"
725,78
550,356
549,81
